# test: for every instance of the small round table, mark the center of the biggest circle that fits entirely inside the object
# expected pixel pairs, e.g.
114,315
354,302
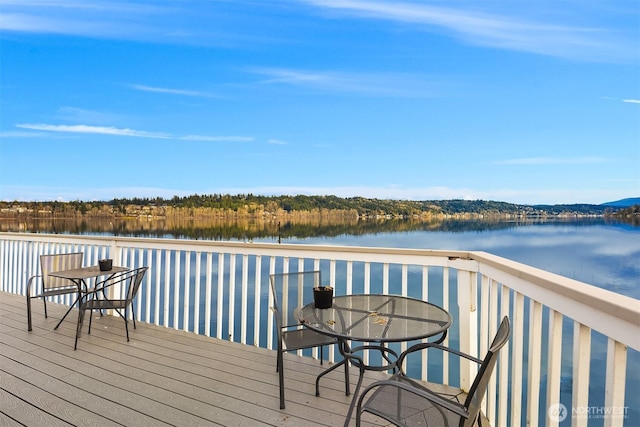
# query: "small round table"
375,320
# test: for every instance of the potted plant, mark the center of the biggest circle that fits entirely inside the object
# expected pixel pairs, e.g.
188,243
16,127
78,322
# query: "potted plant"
105,264
323,296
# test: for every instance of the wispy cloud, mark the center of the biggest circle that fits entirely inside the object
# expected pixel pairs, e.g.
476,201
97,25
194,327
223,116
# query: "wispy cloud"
561,29
372,84
113,131
109,19
497,28
552,161
277,142
169,91
632,101
99,130
217,138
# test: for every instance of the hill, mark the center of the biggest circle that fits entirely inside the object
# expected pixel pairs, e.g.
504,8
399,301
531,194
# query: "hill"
624,203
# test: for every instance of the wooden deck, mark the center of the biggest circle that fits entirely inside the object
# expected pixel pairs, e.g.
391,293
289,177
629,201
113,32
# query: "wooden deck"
161,377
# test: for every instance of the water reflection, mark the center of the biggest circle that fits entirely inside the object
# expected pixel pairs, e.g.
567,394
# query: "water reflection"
249,229
598,251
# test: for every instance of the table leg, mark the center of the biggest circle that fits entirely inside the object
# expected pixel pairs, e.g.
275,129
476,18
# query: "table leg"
344,361
349,355
77,301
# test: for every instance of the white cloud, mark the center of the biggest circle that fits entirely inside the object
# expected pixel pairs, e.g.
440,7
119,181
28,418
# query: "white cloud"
373,84
108,130
277,142
497,28
632,101
169,91
100,130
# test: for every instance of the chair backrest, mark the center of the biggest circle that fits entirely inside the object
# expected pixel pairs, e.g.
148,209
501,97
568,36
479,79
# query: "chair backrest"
121,287
291,292
58,262
479,387
135,279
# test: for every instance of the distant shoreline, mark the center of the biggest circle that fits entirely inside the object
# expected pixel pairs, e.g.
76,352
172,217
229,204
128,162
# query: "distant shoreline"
308,207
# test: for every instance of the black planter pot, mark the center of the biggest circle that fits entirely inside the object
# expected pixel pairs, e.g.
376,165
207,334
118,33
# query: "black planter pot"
105,264
323,297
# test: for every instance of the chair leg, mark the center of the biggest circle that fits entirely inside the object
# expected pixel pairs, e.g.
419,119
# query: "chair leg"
126,323
133,315
90,319
28,313
44,301
281,377
79,325
278,361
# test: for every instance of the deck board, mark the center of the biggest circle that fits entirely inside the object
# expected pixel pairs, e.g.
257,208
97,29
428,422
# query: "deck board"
161,377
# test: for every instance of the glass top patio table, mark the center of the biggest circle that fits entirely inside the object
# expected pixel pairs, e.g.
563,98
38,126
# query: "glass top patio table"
79,276
377,318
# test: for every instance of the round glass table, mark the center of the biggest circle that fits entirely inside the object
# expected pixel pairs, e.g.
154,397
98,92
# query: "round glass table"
374,320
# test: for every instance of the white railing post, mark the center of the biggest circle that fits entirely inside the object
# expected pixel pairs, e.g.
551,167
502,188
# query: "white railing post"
256,297
176,290
207,294
232,298
220,299
245,298
615,383
196,294
468,326
581,369
115,252
554,365
186,292
535,355
517,374
446,303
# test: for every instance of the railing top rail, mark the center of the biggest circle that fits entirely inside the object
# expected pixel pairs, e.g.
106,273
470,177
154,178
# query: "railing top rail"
622,305
254,248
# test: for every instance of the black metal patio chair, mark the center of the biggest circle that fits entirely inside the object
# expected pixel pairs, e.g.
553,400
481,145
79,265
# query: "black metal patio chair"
100,300
44,286
291,291
406,402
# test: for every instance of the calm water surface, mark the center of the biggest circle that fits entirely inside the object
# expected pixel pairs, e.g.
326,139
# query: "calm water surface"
604,255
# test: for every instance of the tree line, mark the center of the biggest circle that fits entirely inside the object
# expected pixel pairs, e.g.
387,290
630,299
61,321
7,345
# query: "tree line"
258,205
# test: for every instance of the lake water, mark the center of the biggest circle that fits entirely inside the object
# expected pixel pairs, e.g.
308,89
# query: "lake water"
603,254
595,251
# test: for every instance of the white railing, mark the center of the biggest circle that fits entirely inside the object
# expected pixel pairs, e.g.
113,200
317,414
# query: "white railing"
560,326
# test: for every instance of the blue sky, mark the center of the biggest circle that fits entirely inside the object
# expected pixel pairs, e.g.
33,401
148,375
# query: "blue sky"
519,101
